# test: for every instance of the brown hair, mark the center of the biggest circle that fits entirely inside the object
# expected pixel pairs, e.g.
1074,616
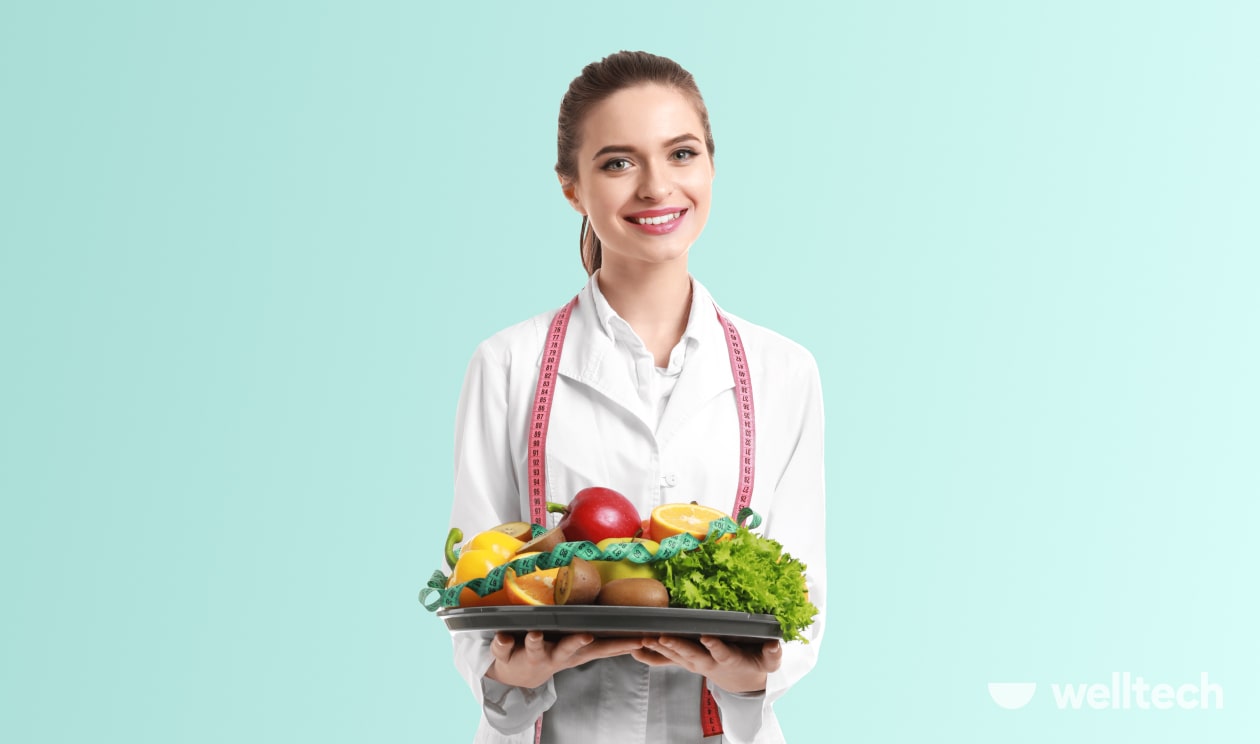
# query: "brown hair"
598,81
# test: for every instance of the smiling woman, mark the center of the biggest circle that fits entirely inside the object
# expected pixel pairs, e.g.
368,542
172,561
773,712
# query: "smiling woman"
654,181
600,106
653,387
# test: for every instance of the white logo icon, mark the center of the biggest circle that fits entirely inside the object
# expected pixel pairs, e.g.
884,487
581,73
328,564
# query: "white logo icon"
1012,695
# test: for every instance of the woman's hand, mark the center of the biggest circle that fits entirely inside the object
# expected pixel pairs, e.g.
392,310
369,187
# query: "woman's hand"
533,662
733,668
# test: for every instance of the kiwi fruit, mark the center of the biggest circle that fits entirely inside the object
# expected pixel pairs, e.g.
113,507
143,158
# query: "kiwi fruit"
577,583
634,593
544,543
520,530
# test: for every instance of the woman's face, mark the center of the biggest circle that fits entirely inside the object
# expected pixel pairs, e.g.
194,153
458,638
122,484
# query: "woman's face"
644,175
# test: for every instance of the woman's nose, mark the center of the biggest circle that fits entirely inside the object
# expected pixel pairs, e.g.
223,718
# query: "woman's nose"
655,184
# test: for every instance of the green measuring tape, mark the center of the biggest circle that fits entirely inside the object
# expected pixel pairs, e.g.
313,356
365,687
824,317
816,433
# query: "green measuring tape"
437,594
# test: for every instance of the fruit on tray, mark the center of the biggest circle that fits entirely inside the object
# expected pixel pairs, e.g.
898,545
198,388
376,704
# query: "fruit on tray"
743,571
674,519
520,530
545,542
500,543
634,593
577,583
475,564
625,569
598,513
535,588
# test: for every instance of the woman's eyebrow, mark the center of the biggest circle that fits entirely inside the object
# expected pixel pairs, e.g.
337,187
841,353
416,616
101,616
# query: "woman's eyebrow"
627,148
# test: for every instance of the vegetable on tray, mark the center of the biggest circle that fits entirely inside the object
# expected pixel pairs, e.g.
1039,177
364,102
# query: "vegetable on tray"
746,573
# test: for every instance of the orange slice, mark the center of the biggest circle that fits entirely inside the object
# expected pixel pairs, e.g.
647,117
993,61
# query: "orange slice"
537,588
673,519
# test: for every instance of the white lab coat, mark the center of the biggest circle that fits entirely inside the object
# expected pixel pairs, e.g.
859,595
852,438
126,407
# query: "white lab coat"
602,434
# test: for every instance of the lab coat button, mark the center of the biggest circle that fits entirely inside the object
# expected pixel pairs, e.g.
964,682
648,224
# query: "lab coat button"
671,479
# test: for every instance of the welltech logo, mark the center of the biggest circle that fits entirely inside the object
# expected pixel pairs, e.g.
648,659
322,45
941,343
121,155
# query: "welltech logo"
1126,692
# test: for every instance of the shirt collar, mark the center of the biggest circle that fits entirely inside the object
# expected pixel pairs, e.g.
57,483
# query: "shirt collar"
702,323
591,358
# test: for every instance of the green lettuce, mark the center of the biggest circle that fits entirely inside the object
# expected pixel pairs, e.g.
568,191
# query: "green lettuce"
747,573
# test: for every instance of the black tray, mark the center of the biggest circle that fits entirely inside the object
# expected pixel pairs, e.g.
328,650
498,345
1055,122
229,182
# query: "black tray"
611,622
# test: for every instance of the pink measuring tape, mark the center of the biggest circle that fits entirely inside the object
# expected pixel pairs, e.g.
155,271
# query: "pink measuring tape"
540,419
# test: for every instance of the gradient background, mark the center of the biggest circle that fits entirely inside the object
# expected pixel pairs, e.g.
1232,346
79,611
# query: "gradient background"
248,249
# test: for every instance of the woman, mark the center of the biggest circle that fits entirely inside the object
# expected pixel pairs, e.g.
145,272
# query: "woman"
650,398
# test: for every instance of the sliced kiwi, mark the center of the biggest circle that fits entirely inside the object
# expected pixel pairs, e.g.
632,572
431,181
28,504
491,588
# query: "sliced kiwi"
544,543
577,583
634,593
519,530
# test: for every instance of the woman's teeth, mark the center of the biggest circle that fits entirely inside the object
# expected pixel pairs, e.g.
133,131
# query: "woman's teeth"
658,220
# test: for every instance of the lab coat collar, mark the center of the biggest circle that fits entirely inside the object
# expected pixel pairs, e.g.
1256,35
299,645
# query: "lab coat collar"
706,370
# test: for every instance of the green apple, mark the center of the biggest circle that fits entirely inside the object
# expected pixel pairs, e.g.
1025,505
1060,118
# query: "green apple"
625,569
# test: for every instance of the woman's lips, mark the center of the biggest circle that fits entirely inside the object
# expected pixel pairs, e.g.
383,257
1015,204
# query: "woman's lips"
658,222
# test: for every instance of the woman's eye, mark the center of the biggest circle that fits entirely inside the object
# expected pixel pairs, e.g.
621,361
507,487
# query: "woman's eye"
684,154
617,164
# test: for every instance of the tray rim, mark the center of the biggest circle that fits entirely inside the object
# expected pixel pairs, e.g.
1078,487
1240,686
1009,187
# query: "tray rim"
618,621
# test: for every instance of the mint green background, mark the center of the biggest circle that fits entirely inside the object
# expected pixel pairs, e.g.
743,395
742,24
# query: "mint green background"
248,249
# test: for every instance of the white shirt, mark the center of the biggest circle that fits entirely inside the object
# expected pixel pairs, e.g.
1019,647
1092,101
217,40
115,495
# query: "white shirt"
654,384
605,431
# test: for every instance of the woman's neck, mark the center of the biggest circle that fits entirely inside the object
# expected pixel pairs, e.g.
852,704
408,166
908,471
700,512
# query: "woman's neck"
654,300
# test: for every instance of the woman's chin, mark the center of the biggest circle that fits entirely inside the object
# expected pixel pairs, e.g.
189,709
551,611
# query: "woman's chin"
641,253
640,262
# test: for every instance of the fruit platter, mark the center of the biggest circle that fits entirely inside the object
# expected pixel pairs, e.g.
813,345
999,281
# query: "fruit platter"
685,570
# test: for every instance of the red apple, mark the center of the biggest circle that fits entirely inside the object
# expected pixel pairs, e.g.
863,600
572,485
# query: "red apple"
598,513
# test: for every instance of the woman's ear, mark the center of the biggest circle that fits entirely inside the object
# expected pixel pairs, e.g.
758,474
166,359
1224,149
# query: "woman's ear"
570,193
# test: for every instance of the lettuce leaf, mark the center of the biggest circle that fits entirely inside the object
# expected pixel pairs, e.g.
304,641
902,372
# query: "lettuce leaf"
747,573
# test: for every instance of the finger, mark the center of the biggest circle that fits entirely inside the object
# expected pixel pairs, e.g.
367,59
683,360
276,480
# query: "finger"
502,645
771,656
720,652
653,649
606,648
572,645
651,658
686,649
535,649
673,655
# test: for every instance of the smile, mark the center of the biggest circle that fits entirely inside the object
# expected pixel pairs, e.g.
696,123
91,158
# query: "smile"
659,220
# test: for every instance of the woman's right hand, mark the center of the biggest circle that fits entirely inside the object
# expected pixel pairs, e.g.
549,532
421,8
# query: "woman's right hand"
532,663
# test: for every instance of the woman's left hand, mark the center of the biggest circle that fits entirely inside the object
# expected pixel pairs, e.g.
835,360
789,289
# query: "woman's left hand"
733,668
